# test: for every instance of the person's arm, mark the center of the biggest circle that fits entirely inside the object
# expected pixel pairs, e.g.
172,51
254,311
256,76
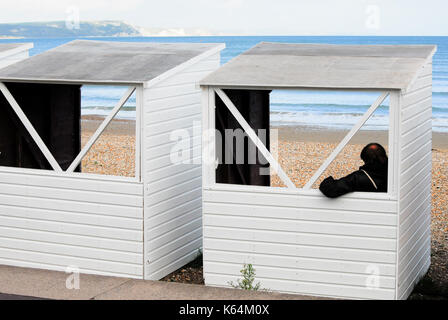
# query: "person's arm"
335,188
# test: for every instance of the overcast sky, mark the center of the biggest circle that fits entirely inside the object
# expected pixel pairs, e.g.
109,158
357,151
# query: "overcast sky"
254,17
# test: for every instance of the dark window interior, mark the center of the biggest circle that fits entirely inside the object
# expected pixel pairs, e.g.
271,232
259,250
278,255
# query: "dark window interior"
254,107
55,113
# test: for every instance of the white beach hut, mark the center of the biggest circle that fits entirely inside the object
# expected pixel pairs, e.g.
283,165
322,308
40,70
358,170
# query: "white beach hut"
362,245
52,215
11,53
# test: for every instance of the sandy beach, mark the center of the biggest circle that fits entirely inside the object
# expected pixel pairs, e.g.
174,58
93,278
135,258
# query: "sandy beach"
301,151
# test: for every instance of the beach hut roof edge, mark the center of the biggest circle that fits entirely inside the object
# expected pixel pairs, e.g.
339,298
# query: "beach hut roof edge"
7,49
326,66
106,62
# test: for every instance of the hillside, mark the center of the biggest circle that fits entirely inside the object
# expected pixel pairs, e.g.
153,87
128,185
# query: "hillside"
58,29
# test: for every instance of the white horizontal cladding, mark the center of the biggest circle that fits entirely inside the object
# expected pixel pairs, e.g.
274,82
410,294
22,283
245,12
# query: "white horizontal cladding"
13,58
301,243
173,189
74,181
415,183
305,263
308,288
53,221
266,196
300,226
299,274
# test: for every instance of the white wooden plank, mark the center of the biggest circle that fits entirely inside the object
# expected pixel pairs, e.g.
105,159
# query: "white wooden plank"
190,249
172,169
184,234
172,113
289,225
168,160
173,191
169,102
46,260
172,266
72,228
172,214
181,177
415,189
249,247
416,274
419,196
419,176
65,182
308,214
414,109
419,254
75,206
411,123
165,149
188,76
414,133
307,288
72,240
420,223
303,238
71,251
419,142
300,201
416,96
297,274
72,195
30,128
173,91
414,163
157,140
421,82
168,204
295,262
139,133
174,223
71,217
186,120
416,244
54,267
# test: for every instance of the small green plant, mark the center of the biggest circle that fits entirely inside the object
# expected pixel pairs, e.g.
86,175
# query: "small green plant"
247,283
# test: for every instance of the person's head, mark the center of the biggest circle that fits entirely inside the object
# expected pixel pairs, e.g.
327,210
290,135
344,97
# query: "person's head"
374,154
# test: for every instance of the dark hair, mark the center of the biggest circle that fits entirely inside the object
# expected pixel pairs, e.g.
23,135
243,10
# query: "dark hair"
374,154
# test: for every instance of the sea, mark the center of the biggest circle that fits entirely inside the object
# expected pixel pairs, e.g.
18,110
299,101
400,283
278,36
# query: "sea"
323,109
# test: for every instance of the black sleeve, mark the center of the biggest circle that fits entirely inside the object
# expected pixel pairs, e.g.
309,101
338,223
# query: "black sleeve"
335,188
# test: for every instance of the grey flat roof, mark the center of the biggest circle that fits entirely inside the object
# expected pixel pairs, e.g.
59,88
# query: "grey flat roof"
86,61
279,65
7,49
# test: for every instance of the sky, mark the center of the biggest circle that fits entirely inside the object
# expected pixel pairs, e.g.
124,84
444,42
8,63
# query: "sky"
248,17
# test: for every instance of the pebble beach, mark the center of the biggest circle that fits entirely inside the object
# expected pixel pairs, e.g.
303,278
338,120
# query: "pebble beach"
301,151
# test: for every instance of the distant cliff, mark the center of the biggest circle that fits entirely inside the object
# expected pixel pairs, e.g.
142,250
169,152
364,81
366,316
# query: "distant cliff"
59,29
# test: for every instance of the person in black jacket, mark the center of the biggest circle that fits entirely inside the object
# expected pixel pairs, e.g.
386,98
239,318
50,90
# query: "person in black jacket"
371,177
